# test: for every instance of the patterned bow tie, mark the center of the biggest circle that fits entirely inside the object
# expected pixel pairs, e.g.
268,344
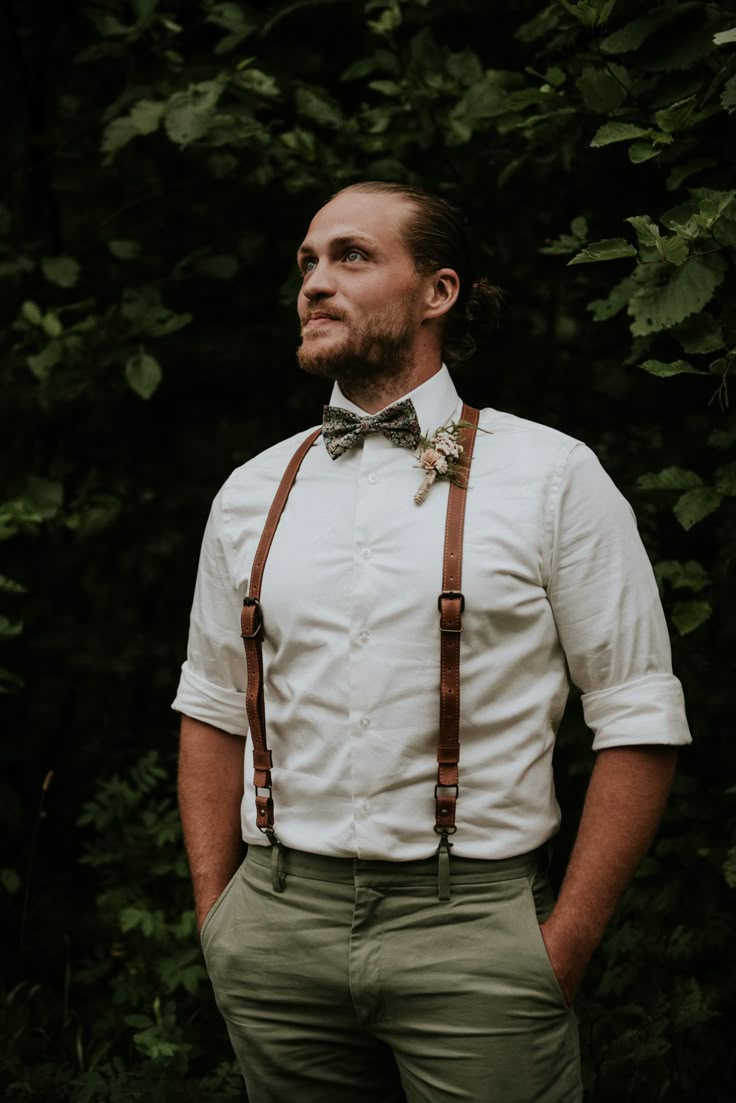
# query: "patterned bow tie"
341,429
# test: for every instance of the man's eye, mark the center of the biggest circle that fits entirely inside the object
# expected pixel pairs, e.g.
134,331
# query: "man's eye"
309,265
353,254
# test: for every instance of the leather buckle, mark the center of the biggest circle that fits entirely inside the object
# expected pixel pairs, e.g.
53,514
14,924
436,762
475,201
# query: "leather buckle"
445,792
451,593
257,619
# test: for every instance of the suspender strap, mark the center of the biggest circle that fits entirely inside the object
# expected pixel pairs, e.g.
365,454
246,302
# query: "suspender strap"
451,604
251,628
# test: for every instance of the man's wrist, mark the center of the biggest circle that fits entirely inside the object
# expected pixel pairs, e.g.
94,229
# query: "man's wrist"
569,948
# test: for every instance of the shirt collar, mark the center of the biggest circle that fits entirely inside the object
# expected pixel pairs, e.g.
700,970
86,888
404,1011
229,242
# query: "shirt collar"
435,401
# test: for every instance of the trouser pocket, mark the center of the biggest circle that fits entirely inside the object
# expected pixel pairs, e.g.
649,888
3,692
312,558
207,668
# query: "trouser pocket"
205,928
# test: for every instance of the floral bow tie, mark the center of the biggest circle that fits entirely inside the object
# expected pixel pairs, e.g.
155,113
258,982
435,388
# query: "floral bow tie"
341,429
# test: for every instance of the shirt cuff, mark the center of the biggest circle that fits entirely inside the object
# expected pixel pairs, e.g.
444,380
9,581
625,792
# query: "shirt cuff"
649,710
212,704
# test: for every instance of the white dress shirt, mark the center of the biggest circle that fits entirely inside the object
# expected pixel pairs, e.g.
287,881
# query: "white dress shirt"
557,585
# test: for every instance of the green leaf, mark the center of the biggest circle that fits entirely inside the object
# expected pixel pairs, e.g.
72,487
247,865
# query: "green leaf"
617,132
10,682
144,10
586,13
723,37
700,333
143,118
689,615
670,478
464,67
63,271
673,249
32,313
642,151
680,172
107,25
230,17
10,628
259,83
722,438
44,497
568,243
725,480
647,231
600,90
728,96
319,109
143,309
385,87
677,116
377,61
618,298
655,307
729,868
676,367
10,881
696,504
51,325
124,250
41,363
143,374
711,205
189,115
539,26
634,34
609,249
682,576
10,586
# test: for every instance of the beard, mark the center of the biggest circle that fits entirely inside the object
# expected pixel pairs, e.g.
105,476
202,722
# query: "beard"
367,355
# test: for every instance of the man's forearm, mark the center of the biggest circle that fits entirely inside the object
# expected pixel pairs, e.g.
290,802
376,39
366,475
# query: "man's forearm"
626,796
210,791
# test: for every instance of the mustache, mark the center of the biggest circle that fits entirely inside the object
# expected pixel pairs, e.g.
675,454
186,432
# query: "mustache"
322,314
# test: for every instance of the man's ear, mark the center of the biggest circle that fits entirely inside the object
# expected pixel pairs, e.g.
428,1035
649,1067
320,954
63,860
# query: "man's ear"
443,288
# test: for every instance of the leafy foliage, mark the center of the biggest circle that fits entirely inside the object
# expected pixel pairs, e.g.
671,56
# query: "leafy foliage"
164,158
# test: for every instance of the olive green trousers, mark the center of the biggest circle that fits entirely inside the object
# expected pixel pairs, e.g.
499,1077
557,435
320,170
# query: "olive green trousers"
356,984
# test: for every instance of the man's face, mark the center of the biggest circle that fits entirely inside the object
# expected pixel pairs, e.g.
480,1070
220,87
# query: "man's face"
361,300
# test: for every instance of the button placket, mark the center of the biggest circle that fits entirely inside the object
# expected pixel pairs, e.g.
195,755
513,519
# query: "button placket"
362,732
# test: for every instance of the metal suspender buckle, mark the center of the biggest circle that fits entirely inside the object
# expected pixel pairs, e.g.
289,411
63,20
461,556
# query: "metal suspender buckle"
450,595
249,602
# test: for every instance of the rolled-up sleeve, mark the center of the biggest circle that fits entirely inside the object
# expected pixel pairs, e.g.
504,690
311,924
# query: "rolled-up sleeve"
213,678
608,613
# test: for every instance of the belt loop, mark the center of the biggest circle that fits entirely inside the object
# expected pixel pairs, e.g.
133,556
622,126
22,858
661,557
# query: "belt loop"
278,879
443,868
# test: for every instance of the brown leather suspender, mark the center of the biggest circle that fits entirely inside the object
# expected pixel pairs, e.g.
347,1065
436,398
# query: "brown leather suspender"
451,604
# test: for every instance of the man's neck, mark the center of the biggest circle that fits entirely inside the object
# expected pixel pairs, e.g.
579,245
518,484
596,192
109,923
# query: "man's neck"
375,395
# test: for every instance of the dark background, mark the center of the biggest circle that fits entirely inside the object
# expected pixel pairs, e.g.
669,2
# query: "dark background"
163,159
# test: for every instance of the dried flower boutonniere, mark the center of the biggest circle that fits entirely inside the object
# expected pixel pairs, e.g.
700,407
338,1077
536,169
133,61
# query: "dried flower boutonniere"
439,457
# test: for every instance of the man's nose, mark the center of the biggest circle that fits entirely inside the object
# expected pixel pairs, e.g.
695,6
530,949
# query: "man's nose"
320,282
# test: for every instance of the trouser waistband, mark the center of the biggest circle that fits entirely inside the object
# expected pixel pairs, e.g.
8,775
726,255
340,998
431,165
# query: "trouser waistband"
322,867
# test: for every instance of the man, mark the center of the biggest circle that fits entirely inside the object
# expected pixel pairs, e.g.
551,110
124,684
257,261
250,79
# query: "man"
355,958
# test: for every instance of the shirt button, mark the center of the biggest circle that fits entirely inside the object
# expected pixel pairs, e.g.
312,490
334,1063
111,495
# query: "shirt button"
364,637
373,479
366,553
365,721
367,806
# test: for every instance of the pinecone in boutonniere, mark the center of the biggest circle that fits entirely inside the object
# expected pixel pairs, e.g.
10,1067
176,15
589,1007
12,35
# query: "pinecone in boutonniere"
440,457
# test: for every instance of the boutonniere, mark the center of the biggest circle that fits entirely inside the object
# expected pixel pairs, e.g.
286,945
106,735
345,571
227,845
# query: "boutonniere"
440,457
